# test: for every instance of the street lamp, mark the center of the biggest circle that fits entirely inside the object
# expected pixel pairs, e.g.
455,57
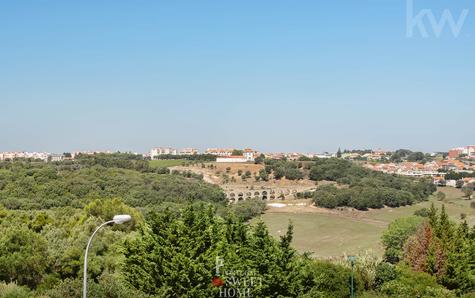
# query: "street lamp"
352,260
117,219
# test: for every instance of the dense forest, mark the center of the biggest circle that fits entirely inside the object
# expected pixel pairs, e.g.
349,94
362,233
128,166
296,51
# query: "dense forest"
37,185
185,241
363,188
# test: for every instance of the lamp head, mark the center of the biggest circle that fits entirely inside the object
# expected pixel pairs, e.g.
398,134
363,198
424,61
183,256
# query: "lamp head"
121,218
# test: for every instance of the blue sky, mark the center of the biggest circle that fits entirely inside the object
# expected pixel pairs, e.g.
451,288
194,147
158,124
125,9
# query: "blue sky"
306,76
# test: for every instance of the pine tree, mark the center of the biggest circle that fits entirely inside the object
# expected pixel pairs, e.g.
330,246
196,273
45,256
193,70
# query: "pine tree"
433,216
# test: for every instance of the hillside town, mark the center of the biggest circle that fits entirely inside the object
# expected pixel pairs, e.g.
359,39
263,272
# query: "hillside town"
460,160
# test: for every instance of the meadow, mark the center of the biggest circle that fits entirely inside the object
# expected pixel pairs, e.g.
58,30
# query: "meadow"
165,163
335,233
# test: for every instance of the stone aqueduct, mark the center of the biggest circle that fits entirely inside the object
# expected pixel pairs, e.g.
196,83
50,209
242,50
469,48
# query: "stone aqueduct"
265,194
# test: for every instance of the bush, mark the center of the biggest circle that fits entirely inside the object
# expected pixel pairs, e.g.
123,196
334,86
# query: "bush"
108,286
332,280
414,284
467,191
162,170
423,212
440,196
304,195
281,169
325,197
365,267
249,208
263,175
12,290
385,272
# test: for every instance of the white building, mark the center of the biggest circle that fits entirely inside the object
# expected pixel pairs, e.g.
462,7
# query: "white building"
232,159
89,153
249,154
38,155
162,151
33,155
324,155
188,151
469,151
219,152
56,157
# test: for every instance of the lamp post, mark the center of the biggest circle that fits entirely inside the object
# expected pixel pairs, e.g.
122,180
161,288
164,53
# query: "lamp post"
117,219
352,259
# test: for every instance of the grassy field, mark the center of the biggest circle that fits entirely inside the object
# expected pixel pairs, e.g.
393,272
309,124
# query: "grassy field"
334,234
165,163
327,235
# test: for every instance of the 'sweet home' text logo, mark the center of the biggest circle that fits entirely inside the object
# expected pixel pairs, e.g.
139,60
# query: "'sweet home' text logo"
234,283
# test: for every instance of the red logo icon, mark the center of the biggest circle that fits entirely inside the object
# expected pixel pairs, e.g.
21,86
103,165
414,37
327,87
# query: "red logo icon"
217,281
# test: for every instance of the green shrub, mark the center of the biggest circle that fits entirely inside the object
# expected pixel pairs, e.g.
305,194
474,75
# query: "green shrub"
249,208
423,212
12,290
414,284
111,286
385,272
333,280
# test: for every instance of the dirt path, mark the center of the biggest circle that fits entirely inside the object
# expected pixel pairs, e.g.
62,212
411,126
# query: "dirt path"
207,176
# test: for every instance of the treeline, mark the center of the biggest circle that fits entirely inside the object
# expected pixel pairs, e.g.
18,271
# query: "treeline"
363,188
25,185
404,154
216,255
361,197
174,253
193,252
43,250
435,247
451,175
112,160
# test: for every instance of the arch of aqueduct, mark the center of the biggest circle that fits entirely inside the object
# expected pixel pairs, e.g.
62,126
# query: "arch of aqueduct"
265,194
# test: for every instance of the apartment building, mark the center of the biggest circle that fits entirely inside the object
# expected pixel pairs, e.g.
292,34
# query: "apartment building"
188,151
162,151
33,155
468,151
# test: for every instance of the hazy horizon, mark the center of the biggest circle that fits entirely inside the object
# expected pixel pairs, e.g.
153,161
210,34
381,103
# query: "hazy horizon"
202,149
275,76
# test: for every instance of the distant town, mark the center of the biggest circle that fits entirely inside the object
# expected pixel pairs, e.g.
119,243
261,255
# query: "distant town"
451,168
